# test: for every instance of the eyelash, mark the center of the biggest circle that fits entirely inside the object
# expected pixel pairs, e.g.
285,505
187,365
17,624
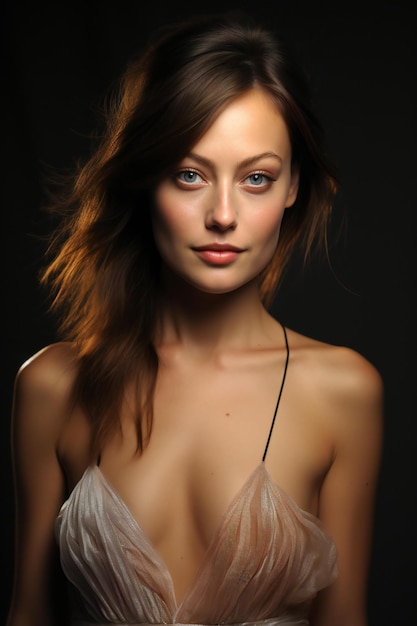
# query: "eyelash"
187,170
269,179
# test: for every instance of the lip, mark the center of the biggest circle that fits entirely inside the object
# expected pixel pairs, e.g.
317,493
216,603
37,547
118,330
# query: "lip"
218,253
218,247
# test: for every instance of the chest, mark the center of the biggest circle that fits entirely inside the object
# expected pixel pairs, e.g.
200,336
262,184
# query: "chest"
211,428
209,433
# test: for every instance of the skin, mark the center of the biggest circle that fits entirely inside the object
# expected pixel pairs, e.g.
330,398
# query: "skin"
221,362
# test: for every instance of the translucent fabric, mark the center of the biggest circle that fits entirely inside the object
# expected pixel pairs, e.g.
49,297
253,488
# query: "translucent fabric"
285,621
266,561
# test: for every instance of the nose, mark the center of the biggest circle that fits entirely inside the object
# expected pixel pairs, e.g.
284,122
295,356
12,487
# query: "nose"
222,214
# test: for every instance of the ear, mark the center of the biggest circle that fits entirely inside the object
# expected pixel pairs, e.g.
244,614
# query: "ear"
293,189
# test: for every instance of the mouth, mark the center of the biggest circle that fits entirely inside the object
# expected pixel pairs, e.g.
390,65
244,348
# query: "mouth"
218,247
218,253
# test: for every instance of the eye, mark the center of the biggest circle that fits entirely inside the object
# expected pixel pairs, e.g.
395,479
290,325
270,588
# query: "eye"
258,180
188,178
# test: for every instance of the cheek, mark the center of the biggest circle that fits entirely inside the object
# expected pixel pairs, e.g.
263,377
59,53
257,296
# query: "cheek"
170,217
268,226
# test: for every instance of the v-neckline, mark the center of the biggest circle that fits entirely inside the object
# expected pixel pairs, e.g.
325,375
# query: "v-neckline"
177,606
94,504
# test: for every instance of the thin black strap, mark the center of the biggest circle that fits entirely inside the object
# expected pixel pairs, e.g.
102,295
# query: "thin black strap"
279,395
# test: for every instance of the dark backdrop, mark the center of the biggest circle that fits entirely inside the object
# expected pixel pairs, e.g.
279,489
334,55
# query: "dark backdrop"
60,60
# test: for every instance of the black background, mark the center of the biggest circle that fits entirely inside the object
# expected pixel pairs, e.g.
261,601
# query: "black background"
60,60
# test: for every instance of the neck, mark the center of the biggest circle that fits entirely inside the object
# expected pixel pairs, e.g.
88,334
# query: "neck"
212,322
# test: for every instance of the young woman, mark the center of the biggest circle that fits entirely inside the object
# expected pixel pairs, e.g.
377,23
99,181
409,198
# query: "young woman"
183,456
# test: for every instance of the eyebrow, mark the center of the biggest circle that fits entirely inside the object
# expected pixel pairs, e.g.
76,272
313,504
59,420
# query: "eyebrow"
244,163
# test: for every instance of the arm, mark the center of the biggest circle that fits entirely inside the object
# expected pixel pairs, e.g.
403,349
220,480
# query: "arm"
39,409
347,495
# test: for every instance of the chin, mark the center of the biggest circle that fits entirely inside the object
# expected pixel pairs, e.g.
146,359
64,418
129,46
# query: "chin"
218,288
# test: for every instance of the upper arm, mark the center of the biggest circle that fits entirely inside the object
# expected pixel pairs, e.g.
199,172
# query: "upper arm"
347,494
40,407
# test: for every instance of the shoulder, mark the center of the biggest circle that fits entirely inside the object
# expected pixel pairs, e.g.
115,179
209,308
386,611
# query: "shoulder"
44,382
344,387
49,365
53,359
337,369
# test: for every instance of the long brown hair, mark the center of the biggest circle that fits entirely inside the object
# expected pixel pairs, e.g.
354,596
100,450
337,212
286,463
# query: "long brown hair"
104,272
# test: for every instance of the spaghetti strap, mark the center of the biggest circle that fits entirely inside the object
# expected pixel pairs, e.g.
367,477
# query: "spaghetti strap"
279,395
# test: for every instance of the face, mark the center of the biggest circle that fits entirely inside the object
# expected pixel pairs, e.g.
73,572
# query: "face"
217,217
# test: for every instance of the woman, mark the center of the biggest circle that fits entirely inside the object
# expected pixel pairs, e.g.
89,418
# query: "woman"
185,457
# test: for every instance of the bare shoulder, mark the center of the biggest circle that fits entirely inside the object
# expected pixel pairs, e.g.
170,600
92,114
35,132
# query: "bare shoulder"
349,372
52,365
341,381
44,383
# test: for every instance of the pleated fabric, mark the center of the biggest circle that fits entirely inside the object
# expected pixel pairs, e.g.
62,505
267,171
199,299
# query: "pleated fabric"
265,563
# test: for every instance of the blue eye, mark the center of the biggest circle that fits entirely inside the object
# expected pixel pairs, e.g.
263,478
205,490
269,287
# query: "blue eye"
257,182
189,177
257,179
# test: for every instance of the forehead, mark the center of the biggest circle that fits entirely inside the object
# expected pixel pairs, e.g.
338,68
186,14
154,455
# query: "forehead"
250,124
